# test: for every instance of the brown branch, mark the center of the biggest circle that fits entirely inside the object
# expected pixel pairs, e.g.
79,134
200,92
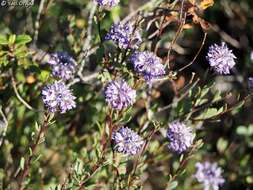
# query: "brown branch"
33,148
179,30
139,156
96,167
197,54
18,96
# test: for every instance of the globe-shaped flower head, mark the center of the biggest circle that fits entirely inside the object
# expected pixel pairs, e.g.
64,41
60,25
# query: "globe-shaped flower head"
220,58
180,137
209,174
119,95
127,141
57,97
147,64
124,35
107,3
63,65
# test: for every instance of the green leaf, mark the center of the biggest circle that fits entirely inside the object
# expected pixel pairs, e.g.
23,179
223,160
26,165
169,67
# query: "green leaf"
37,127
37,158
237,107
3,40
242,130
30,152
23,39
181,158
172,185
222,144
209,113
199,144
22,163
12,39
44,75
115,12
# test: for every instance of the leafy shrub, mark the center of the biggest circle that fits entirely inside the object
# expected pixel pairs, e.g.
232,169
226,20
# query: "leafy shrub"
110,94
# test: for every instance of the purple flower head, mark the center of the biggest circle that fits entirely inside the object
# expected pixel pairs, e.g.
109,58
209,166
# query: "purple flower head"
147,64
63,65
107,3
180,137
250,82
119,95
209,174
124,35
220,58
127,141
58,97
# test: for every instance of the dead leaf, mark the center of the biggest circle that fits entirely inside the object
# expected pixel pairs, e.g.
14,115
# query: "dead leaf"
180,82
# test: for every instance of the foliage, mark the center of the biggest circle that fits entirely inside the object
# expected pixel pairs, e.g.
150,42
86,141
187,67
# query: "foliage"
45,149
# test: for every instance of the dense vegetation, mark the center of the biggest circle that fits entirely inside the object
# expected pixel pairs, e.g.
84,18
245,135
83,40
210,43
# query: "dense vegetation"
110,94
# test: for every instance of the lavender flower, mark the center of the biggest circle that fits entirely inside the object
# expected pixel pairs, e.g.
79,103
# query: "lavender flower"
124,35
250,82
63,65
147,64
107,3
221,58
57,97
180,137
127,141
209,175
119,95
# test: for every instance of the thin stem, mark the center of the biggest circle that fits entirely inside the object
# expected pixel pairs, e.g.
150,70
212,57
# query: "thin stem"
195,57
182,164
219,114
84,79
18,96
5,126
33,148
139,156
178,99
83,58
37,22
95,169
179,30
147,5
99,27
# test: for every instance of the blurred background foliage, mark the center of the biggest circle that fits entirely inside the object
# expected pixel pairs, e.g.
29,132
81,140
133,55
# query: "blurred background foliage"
73,142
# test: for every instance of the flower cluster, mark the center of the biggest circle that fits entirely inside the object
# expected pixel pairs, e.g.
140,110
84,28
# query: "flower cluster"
127,141
180,137
124,35
63,65
57,97
209,174
107,3
147,64
119,95
220,58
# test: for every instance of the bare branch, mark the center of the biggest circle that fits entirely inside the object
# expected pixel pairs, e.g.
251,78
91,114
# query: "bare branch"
195,57
37,22
18,96
5,126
